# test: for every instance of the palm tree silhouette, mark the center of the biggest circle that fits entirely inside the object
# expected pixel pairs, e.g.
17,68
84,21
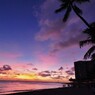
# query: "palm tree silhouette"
70,5
90,40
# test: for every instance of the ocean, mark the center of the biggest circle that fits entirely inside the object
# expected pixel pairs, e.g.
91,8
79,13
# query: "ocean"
7,87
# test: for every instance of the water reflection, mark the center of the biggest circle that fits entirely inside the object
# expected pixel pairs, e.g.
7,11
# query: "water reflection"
11,87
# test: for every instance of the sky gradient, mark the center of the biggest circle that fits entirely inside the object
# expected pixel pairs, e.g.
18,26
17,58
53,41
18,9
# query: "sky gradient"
35,43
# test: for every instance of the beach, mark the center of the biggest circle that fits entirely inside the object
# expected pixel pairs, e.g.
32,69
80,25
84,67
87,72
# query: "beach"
59,91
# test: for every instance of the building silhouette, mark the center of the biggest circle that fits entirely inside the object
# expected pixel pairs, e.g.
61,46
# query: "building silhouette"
84,70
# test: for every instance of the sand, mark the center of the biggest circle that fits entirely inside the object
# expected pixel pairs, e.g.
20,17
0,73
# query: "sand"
59,91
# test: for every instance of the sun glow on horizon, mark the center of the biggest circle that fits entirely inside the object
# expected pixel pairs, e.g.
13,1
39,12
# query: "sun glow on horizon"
28,73
11,75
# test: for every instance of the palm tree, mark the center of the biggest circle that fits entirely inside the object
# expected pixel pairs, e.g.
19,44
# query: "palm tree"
90,40
70,5
93,57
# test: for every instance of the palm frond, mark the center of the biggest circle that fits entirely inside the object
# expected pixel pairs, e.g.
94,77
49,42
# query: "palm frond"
81,1
89,52
64,1
62,8
85,42
93,56
77,1
93,24
90,31
59,10
87,30
67,14
78,10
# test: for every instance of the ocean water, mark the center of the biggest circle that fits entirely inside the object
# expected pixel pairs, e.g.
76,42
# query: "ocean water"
7,87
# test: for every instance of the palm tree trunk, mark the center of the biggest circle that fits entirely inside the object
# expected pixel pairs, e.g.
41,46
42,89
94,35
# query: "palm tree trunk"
87,24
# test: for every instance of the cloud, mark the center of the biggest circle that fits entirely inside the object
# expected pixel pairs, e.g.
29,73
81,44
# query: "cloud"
10,55
61,35
30,64
50,30
4,69
54,72
7,67
45,74
61,68
51,74
35,69
1,69
71,40
45,60
57,75
70,71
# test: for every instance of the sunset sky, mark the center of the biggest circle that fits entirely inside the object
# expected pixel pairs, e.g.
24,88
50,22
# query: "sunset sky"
34,42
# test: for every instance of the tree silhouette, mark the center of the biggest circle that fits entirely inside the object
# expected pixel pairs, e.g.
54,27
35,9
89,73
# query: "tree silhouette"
93,57
90,40
68,6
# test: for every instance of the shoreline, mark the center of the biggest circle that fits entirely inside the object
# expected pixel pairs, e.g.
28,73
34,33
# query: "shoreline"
58,91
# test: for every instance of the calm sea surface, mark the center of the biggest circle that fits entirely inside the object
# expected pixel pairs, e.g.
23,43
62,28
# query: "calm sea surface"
7,87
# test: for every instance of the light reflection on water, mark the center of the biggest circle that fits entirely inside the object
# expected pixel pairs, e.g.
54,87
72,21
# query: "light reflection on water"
7,87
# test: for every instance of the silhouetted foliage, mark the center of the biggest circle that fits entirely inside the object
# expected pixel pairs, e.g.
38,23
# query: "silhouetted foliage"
68,6
90,40
93,56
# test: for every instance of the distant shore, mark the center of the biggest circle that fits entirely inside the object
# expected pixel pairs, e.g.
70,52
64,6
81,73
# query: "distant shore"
59,91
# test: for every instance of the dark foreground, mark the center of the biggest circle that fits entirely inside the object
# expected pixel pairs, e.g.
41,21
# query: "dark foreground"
60,91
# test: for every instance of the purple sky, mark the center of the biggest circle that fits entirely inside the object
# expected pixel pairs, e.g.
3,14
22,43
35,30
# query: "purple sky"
31,33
